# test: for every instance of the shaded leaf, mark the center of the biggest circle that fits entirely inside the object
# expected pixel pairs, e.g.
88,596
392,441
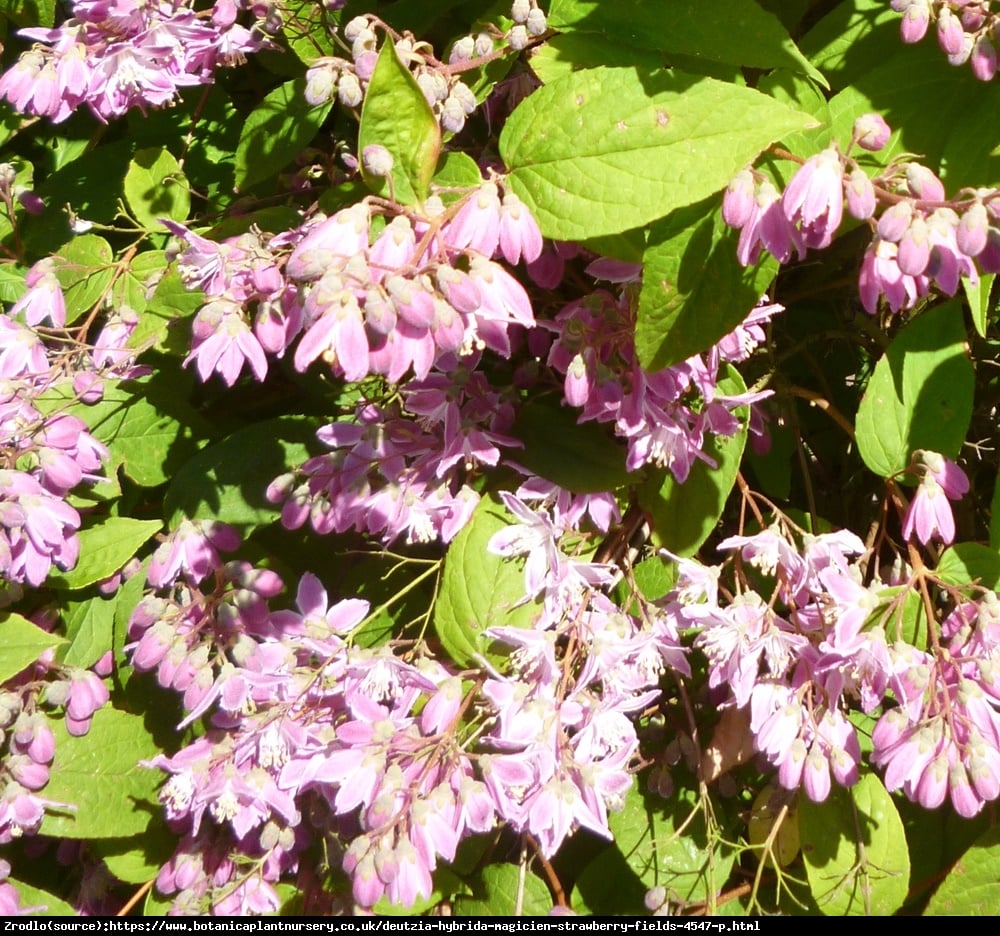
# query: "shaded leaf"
920,394
968,564
155,188
505,891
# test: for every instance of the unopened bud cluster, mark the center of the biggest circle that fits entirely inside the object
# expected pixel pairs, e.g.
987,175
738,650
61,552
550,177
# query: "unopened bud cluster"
966,30
920,240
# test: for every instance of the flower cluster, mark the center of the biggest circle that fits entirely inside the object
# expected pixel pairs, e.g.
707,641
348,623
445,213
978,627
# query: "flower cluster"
114,56
920,240
966,30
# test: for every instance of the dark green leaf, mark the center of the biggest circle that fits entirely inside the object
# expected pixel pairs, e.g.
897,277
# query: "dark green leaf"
970,564
227,481
920,395
506,891
694,290
582,457
685,514
609,149
275,132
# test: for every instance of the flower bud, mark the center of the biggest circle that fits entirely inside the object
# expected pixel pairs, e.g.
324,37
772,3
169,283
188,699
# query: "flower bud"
518,38
377,160
484,44
355,28
914,248
949,32
965,50
463,50
973,230
871,132
519,10
923,184
738,202
536,23
894,221
916,18
983,59
860,195
321,84
349,90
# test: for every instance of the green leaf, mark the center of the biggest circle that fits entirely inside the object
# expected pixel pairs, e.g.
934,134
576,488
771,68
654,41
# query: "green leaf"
275,132
21,643
970,564
396,115
30,12
105,548
99,774
694,290
479,589
854,848
506,891
978,296
137,859
142,275
852,38
308,28
608,149
736,32
665,843
90,628
972,887
155,188
920,394
40,902
685,514
84,268
995,516
227,481
456,171
581,457
568,52
12,285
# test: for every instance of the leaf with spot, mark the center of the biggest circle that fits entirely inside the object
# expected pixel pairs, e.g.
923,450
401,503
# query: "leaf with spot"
608,149
920,394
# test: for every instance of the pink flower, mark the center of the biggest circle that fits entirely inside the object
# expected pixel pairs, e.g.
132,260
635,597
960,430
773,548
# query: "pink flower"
815,198
767,227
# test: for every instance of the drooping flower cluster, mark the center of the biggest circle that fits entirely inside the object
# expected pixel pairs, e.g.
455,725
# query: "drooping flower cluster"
114,56
966,30
920,240
665,416
929,514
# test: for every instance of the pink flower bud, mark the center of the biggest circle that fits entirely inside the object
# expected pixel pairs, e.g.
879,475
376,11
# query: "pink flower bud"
949,32
894,221
871,132
913,27
738,202
973,230
983,59
914,248
860,195
923,184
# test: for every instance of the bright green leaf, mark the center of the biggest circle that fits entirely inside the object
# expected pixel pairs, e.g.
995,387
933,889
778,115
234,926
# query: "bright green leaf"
309,29
694,290
972,887
39,902
155,188
459,171
582,457
685,514
479,589
227,481
99,774
275,132
90,629
143,273
852,39
84,269
105,548
506,891
978,296
396,116
608,149
21,643
854,848
920,394
12,285
737,32
970,564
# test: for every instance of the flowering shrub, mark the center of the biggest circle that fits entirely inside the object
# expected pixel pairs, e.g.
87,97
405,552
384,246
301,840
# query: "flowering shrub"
537,462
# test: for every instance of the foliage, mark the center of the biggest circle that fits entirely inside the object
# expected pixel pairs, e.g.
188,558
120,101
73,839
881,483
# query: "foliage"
499,459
